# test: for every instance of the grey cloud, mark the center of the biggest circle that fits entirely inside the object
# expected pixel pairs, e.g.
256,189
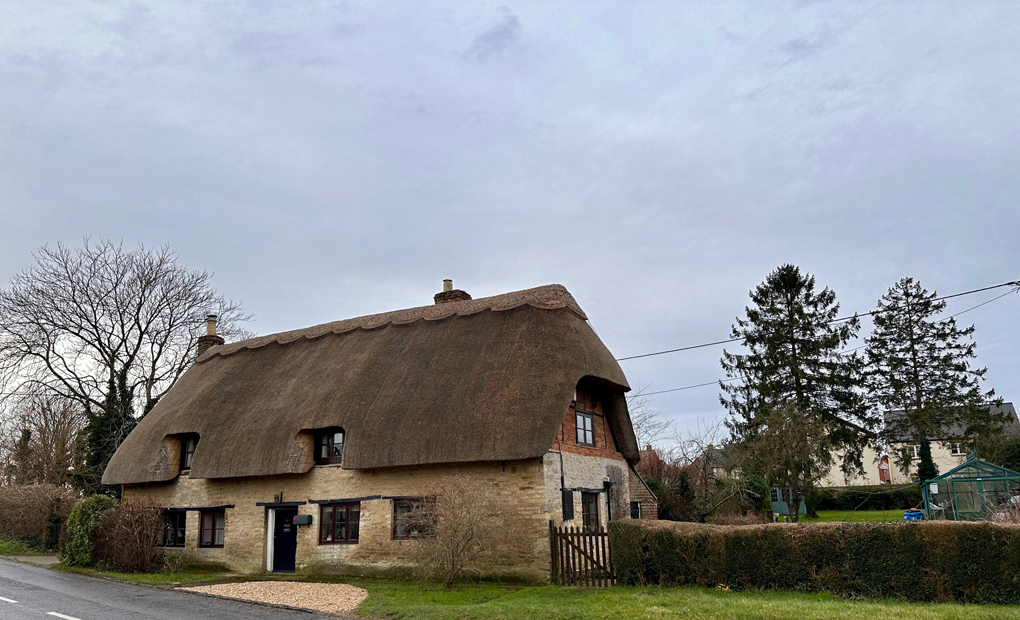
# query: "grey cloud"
801,48
497,39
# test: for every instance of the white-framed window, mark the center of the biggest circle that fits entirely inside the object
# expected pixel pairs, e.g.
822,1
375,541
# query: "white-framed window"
915,452
956,449
774,495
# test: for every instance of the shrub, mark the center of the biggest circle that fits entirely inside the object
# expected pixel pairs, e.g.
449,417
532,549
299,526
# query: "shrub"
751,518
883,497
126,539
29,513
931,561
86,517
464,526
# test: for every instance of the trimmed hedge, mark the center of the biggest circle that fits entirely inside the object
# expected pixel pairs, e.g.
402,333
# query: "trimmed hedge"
930,561
86,517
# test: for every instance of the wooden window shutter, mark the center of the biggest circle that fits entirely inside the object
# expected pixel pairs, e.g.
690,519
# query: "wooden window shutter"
568,504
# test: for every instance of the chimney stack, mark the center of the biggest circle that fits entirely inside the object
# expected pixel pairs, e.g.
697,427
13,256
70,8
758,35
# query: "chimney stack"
450,294
210,339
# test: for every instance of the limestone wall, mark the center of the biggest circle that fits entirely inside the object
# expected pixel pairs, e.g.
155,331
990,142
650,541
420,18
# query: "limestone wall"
245,534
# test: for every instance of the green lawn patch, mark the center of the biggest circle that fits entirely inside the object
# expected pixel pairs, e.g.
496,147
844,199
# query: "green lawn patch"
14,547
867,516
402,601
186,577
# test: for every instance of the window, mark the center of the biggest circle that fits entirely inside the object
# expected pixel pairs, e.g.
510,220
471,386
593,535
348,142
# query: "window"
188,444
171,534
774,495
635,510
590,511
915,451
585,429
956,449
339,523
411,518
329,446
211,534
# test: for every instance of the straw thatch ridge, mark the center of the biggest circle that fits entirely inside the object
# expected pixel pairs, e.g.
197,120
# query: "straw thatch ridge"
484,380
549,297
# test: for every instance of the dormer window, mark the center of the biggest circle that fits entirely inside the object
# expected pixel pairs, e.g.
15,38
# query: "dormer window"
188,444
329,446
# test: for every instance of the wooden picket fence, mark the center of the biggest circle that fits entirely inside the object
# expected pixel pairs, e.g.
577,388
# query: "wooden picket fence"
581,558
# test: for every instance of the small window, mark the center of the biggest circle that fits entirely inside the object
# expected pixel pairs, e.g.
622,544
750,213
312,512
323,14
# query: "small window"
774,495
411,518
590,511
329,446
956,449
339,523
915,452
174,524
585,429
189,443
211,534
635,510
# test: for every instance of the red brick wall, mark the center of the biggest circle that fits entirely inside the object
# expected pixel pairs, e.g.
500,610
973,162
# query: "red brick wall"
566,439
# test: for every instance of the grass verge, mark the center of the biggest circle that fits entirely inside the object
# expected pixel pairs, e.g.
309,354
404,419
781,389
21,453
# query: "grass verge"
402,601
14,547
859,516
186,577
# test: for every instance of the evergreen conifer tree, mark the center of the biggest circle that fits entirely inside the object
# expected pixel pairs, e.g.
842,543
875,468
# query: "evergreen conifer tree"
795,374
919,369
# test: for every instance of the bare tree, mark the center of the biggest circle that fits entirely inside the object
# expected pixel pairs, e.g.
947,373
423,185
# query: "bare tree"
463,525
649,426
109,328
41,440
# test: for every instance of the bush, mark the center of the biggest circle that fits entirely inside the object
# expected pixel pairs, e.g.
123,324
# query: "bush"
126,539
883,497
29,513
86,517
932,561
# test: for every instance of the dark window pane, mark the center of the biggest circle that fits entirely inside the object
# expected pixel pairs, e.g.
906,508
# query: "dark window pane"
355,523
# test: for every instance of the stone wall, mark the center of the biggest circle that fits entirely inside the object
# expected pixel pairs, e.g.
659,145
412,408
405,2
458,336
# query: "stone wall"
245,532
941,454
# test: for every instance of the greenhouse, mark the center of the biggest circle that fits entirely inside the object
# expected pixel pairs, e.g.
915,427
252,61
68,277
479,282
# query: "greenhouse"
974,491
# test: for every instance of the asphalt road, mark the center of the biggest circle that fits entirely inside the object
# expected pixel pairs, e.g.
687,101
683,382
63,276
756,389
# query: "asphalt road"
34,592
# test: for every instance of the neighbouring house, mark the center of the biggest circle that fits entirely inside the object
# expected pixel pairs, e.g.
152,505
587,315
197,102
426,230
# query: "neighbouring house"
949,448
302,449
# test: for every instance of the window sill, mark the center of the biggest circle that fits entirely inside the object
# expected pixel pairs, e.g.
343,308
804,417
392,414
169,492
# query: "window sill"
338,542
210,546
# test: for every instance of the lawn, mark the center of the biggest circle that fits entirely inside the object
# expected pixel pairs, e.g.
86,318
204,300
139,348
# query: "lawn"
186,577
13,547
871,516
409,602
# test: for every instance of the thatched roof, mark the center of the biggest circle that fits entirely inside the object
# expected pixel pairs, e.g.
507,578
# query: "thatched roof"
481,380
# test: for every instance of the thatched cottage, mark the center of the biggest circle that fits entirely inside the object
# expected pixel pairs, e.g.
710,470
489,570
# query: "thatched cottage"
304,447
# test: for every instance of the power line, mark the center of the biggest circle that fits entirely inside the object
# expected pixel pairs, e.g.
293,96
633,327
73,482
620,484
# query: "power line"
686,387
690,387
846,318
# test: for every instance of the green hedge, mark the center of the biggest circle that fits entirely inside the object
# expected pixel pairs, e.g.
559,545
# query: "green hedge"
86,517
931,561
883,497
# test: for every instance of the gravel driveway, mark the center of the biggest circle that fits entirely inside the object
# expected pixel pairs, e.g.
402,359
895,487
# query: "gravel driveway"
334,598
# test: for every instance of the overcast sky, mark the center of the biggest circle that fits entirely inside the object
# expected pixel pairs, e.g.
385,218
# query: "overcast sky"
333,159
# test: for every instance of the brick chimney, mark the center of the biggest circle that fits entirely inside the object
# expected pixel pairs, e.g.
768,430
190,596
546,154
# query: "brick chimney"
450,294
210,339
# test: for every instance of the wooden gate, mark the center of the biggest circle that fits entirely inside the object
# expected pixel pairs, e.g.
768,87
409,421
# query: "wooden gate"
580,558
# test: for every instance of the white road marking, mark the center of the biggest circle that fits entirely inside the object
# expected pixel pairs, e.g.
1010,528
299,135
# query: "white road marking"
53,613
7,600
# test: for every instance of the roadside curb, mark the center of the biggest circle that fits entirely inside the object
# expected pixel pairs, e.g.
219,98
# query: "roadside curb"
170,588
